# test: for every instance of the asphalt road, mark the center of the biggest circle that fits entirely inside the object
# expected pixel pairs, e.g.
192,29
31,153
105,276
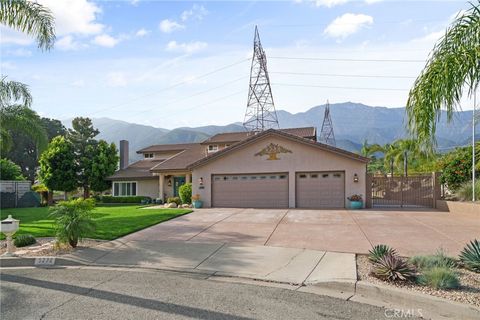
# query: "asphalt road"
100,293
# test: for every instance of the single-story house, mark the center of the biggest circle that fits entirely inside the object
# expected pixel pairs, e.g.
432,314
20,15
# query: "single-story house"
285,168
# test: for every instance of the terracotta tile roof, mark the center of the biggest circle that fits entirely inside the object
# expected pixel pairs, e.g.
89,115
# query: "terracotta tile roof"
307,132
137,170
167,147
239,145
183,159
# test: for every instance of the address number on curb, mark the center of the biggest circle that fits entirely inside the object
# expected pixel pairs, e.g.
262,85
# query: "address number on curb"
45,261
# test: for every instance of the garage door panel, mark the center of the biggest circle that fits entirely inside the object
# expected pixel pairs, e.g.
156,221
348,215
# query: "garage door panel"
250,191
320,190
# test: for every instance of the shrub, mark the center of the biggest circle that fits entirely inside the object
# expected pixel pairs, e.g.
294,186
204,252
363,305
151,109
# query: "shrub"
470,256
393,268
131,199
73,220
439,278
379,251
174,199
10,170
464,192
456,166
185,192
438,260
24,240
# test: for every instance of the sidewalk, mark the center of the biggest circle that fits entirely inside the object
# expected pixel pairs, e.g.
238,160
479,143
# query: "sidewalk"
286,265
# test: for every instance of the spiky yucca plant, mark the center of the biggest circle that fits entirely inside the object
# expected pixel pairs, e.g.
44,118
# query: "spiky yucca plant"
379,251
470,256
393,268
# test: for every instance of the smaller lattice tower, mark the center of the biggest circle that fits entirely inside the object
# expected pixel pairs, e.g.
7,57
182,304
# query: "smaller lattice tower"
260,114
326,135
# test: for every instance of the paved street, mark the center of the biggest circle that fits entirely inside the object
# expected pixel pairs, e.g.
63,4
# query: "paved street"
90,293
411,232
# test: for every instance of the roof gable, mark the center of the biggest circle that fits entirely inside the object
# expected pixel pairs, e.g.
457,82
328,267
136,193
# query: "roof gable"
273,132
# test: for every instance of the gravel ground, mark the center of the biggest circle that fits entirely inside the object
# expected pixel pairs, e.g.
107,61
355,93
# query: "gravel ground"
469,291
48,247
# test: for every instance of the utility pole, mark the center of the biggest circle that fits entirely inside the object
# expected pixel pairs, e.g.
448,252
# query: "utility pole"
260,114
473,143
405,163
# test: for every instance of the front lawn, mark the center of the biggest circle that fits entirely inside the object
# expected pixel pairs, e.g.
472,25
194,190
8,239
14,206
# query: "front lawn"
112,221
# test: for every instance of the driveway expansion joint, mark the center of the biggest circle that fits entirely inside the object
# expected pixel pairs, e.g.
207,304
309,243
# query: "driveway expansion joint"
276,226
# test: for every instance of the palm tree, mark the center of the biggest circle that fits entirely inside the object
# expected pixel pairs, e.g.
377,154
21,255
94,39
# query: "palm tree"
368,150
31,18
453,66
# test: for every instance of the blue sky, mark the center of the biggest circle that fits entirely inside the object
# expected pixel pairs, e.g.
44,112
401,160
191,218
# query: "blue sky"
171,64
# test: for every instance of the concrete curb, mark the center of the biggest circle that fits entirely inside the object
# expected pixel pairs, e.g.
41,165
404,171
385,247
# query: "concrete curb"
417,304
14,262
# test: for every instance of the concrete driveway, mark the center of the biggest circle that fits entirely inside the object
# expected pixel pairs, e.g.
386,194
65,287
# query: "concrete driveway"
409,231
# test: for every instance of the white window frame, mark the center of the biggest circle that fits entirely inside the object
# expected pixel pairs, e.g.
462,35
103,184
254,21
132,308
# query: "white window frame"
119,188
149,155
212,148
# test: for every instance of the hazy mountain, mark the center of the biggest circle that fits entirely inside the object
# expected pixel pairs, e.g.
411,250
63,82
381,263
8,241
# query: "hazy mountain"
352,122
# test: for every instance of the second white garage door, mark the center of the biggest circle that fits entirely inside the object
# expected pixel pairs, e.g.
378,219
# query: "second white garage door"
269,190
320,190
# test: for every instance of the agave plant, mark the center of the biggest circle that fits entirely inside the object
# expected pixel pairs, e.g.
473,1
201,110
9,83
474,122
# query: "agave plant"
379,251
393,268
470,256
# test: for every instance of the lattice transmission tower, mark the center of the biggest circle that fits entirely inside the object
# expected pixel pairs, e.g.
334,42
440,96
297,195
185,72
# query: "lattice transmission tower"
326,135
260,114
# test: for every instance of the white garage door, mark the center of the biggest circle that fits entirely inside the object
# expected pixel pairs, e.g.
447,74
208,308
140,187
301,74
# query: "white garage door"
320,190
268,190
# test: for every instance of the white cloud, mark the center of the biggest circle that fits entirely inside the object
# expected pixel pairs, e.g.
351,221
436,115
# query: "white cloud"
372,1
78,83
329,3
134,2
196,12
20,52
187,47
142,32
11,36
7,65
75,16
106,40
347,24
116,79
168,26
67,43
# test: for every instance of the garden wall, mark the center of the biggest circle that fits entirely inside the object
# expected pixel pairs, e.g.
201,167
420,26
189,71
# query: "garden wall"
459,207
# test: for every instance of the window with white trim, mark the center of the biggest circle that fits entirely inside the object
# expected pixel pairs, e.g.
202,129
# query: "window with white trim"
124,189
148,155
213,148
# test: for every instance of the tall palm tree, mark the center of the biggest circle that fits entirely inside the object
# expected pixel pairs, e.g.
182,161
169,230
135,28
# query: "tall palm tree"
368,150
35,20
453,66
31,18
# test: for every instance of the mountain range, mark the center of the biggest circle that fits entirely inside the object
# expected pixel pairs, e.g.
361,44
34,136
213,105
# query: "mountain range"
353,124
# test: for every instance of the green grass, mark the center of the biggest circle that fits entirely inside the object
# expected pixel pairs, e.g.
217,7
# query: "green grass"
112,221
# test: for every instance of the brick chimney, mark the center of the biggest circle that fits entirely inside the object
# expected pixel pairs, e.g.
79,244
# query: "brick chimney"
123,154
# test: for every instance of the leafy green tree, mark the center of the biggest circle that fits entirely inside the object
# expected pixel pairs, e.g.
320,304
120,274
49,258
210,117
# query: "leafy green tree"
25,153
456,166
31,18
82,135
10,171
452,68
103,163
58,170
73,220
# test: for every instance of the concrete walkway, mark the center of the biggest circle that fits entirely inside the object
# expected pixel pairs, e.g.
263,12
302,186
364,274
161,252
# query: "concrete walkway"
287,265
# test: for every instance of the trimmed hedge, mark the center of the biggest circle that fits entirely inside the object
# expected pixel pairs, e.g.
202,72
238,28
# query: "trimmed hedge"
185,193
132,199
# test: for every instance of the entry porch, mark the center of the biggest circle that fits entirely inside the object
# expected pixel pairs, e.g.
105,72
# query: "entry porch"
170,182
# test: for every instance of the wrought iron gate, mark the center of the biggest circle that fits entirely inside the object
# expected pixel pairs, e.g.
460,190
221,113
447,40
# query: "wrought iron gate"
413,191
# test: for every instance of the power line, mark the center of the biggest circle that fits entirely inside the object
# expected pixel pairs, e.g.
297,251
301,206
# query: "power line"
170,87
194,95
348,59
342,75
335,87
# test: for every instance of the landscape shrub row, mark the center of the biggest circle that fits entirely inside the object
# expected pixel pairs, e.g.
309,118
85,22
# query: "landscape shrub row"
131,199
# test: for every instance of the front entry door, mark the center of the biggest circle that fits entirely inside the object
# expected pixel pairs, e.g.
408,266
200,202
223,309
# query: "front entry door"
177,182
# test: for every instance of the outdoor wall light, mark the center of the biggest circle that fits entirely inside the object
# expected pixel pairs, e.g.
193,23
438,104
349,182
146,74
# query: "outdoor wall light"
200,181
355,177
169,182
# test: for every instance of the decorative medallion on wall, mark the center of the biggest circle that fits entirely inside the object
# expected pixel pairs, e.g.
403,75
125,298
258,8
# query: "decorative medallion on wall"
272,150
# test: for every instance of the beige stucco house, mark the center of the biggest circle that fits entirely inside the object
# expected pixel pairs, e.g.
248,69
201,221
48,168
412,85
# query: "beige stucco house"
284,168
